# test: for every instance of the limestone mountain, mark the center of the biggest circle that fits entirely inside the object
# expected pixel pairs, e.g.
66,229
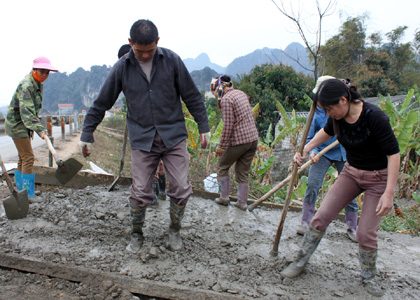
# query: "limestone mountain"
200,62
82,87
294,55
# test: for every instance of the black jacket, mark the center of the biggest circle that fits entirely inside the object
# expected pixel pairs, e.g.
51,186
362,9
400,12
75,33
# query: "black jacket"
154,106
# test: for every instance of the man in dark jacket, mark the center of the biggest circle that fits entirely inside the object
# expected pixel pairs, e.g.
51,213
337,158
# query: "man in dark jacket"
154,81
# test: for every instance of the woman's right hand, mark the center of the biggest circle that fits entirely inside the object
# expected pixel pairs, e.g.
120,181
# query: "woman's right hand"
300,158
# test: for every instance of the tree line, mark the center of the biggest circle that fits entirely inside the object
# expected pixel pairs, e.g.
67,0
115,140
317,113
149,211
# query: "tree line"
377,64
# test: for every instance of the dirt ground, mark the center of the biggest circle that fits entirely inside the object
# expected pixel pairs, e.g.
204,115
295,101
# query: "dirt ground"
226,251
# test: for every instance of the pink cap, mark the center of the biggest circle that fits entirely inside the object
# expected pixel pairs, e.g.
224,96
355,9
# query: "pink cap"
43,63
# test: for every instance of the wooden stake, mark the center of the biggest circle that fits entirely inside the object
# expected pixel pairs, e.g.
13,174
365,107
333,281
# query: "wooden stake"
274,251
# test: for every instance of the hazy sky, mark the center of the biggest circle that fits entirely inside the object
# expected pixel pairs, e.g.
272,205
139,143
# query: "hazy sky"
77,33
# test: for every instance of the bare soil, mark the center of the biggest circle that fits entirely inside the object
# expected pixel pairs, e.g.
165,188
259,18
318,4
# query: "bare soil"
225,251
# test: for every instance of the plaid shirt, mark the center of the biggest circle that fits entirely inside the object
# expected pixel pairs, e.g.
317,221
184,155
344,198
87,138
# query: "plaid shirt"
238,120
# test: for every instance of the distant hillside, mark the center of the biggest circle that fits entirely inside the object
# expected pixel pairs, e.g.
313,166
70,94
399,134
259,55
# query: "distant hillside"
79,88
82,87
202,61
202,78
293,52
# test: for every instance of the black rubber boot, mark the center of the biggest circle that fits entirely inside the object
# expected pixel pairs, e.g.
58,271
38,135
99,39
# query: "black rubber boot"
155,187
310,242
138,215
174,240
162,187
367,258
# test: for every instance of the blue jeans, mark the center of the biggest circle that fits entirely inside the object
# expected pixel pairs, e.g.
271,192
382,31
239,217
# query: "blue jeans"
316,177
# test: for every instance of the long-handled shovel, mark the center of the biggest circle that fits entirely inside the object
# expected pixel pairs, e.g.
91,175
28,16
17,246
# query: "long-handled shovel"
287,179
16,205
66,169
274,251
122,160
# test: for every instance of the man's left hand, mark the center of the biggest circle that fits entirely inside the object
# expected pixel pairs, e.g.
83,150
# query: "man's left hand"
219,151
204,139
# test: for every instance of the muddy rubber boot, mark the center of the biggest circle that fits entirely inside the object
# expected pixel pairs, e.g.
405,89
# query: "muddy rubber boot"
162,187
155,188
18,180
174,239
367,258
224,190
310,242
138,215
28,183
351,221
242,196
307,214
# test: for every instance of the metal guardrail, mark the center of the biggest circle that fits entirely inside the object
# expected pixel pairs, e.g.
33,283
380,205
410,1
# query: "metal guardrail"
2,130
75,121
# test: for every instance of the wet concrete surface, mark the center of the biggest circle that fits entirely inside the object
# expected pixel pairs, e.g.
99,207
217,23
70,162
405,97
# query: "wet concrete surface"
226,250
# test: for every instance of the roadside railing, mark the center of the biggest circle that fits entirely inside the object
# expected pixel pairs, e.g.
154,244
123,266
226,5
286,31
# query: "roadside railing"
75,123
2,130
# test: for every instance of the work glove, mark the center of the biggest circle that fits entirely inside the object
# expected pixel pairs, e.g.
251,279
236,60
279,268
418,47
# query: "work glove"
85,148
204,139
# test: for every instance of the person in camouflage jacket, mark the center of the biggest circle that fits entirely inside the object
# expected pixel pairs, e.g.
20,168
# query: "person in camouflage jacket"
22,121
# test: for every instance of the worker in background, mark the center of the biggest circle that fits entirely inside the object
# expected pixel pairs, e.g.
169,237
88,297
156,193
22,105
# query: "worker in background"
22,122
238,141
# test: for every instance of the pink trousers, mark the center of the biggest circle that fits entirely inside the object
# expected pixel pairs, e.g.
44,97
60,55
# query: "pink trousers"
144,166
350,183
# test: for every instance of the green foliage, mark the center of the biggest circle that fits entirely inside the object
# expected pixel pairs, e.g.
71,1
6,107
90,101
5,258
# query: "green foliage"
392,224
416,197
290,127
375,66
265,165
114,122
268,84
403,119
408,222
388,68
375,75
301,188
342,54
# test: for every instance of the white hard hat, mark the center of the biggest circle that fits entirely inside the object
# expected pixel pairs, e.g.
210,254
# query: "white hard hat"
321,80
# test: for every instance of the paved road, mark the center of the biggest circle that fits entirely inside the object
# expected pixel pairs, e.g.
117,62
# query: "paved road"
8,150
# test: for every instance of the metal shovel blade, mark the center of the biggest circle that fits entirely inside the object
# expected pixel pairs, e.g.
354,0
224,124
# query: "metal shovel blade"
67,169
16,205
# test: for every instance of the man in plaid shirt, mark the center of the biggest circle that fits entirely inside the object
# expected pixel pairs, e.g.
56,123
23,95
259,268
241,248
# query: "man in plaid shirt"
238,142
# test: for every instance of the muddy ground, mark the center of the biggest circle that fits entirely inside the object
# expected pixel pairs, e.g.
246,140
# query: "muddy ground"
226,251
